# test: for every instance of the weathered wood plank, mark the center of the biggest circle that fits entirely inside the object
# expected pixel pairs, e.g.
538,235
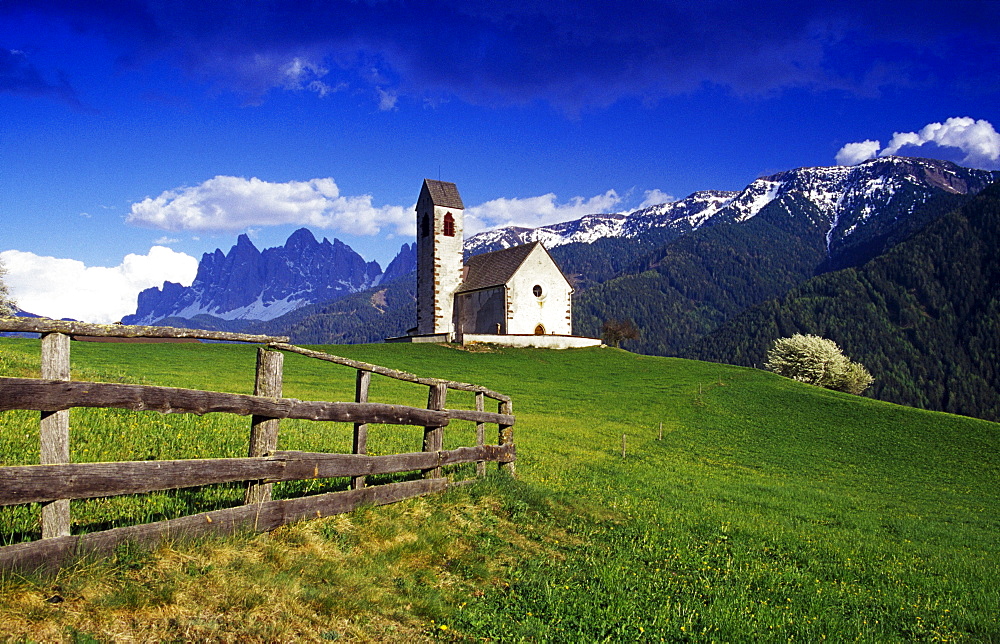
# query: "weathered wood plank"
264,430
361,429
312,465
41,483
480,416
43,325
305,465
434,434
385,371
506,434
498,453
54,432
480,433
54,395
262,517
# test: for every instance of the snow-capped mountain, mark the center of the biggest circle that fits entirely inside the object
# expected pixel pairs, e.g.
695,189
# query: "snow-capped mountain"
846,199
247,284
683,216
849,199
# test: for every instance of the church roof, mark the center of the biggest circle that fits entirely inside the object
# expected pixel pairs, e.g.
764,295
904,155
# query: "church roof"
443,193
495,268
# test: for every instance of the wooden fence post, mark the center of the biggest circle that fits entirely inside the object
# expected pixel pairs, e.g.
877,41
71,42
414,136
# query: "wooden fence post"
264,430
506,434
361,429
480,432
54,431
434,436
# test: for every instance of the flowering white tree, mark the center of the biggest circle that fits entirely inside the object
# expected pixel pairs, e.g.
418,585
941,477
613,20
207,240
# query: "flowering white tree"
817,361
6,303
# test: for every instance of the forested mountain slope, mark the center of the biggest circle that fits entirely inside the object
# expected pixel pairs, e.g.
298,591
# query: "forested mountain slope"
779,232
700,280
382,312
924,317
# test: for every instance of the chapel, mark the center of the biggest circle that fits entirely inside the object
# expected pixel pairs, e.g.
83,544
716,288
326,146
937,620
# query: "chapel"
516,295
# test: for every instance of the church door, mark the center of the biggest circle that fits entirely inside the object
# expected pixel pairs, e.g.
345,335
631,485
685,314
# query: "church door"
539,330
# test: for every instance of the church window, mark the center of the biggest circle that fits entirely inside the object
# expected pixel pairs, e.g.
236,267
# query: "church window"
425,226
539,330
449,225
537,290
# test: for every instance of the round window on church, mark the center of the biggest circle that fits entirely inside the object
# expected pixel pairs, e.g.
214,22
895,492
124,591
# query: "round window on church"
537,290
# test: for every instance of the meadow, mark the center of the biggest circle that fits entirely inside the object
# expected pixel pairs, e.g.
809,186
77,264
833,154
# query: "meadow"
768,511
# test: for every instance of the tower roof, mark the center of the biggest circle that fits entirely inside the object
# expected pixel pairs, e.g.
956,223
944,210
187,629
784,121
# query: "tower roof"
443,193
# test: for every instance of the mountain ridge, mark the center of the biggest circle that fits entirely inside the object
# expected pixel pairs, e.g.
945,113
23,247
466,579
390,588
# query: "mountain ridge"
846,197
247,284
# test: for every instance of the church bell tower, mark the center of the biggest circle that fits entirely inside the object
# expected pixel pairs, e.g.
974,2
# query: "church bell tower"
439,255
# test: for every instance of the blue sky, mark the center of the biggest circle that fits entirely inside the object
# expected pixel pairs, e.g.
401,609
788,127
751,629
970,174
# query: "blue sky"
137,135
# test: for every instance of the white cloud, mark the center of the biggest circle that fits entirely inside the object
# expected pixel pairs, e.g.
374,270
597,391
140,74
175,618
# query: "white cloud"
655,197
977,142
387,100
59,288
977,139
533,212
855,153
234,203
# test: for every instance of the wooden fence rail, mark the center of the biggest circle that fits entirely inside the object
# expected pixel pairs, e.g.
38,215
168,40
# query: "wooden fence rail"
56,481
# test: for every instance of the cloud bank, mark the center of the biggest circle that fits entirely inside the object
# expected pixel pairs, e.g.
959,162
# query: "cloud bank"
532,212
236,203
573,55
971,143
59,288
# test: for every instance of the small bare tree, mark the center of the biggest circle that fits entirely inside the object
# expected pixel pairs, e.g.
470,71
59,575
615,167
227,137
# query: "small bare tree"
615,331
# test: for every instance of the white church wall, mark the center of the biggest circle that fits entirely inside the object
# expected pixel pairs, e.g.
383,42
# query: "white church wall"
536,341
550,308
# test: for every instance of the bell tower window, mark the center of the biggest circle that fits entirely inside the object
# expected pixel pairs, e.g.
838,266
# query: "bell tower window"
449,225
425,226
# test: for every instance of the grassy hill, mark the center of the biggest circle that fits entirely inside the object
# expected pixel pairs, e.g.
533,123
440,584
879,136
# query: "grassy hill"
770,510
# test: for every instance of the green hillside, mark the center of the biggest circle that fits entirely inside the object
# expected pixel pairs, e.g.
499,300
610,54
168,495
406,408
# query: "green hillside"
770,510
923,317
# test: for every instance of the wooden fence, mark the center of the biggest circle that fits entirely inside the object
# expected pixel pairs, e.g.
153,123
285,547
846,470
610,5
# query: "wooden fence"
55,481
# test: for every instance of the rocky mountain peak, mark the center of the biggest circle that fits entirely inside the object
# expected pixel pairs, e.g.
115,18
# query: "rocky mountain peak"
249,284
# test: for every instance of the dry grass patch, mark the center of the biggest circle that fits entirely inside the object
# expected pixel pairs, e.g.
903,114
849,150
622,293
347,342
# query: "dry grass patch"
394,573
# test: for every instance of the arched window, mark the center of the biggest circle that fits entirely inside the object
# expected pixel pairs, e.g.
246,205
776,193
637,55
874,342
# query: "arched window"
449,225
425,226
539,330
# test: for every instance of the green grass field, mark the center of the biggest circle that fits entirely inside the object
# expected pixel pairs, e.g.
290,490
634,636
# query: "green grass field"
769,511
